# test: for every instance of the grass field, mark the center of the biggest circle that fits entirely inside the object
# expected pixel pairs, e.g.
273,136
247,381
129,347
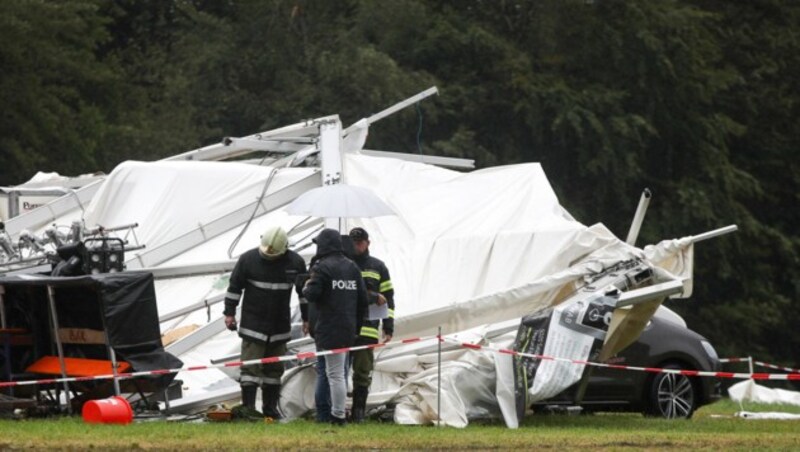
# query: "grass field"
712,427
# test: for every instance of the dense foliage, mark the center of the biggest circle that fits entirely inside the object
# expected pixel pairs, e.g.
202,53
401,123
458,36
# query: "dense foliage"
695,99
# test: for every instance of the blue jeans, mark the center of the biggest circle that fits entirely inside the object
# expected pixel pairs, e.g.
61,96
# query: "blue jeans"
322,394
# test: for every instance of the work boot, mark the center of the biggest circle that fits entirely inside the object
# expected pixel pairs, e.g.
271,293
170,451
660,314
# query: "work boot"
360,394
270,396
247,410
338,421
249,396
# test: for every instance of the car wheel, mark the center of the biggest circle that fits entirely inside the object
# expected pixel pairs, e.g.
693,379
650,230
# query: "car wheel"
671,396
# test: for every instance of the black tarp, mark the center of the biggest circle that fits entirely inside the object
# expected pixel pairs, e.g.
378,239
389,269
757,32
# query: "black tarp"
123,305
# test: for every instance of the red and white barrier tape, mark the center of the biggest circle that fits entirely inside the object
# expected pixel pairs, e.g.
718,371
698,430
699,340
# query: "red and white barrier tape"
690,373
307,355
270,360
758,363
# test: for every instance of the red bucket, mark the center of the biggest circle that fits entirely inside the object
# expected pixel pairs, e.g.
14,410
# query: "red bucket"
113,410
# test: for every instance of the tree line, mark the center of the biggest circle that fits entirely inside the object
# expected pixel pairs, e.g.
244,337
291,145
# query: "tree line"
695,99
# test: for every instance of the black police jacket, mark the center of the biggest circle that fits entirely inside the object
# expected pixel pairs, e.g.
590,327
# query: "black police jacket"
336,295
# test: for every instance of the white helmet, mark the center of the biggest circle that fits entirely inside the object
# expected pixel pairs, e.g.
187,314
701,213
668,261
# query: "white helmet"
274,242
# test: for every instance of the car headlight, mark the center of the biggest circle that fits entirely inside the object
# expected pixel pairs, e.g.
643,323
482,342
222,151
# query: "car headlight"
710,350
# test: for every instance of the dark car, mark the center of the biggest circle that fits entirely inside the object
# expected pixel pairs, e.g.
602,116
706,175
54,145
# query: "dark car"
664,343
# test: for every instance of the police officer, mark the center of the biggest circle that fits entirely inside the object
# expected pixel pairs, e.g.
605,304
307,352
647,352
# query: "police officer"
337,303
379,286
262,280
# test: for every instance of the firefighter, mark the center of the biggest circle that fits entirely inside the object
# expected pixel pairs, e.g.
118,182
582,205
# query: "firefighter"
379,286
337,303
262,280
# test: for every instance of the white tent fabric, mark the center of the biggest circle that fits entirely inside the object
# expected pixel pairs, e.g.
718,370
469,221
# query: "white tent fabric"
509,304
167,199
465,251
217,248
750,391
177,293
677,258
460,236
468,249
42,176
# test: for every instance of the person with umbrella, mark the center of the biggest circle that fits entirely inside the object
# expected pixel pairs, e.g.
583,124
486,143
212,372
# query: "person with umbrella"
262,280
337,303
337,201
381,293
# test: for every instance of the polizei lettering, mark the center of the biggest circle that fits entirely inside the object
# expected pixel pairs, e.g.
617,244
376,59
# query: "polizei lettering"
344,284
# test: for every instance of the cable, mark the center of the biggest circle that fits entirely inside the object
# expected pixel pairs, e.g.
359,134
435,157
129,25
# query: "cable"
419,130
253,215
78,200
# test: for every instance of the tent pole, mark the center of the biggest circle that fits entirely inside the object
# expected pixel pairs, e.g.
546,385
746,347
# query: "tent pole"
166,399
113,357
638,217
2,307
54,317
111,354
398,106
714,233
439,380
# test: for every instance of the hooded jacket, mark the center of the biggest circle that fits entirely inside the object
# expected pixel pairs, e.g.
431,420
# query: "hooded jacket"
336,294
264,287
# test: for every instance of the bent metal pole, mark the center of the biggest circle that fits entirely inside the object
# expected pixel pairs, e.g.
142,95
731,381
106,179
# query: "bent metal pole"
2,308
51,298
638,217
714,233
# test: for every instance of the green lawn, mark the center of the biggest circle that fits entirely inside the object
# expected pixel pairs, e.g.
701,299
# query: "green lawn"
713,427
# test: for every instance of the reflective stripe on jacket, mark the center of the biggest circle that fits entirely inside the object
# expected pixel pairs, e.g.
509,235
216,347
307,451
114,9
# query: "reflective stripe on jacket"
264,287
376,277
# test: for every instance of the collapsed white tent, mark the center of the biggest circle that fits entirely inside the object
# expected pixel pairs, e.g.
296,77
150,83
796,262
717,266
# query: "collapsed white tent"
466,250
469,253
167,199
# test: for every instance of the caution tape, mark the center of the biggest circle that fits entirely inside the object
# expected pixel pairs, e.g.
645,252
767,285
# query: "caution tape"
758,363
269,360
795,376
689,373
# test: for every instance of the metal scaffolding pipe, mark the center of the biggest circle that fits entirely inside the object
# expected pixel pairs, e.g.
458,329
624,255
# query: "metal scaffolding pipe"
638,217
714,233
51,298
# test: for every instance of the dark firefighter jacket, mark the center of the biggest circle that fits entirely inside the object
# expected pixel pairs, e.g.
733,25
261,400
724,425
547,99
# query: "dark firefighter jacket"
337,297
265,288
376,278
